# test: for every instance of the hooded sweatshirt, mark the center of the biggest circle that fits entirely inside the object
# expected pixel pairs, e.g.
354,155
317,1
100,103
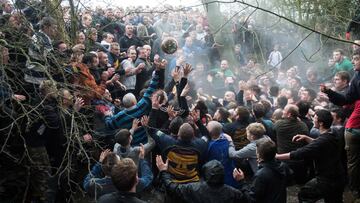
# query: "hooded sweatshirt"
269,183
211,190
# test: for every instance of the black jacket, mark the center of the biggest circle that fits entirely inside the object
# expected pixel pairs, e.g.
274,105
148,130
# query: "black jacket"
120,197
126,42
325,151
47,131
285,130
269,183
212,190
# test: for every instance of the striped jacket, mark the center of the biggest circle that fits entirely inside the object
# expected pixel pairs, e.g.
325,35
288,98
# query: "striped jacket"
124,118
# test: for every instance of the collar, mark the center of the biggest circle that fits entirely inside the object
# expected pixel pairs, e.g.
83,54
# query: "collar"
43,33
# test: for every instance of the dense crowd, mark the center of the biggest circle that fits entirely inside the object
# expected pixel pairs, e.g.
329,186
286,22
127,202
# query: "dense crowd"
113,115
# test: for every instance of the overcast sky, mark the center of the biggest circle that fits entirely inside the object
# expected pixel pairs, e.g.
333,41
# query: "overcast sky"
151,3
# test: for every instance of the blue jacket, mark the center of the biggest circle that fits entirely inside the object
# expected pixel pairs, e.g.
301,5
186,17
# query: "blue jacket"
218,150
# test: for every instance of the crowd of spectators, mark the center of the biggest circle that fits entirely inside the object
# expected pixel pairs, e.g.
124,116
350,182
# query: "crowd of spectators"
111,114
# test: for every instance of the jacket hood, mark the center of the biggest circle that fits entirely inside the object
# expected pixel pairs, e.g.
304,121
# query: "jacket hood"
214,173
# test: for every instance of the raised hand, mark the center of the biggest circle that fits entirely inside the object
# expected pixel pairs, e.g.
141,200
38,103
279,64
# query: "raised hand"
323,88
19,97
187,69
79,103
176,74
238,174
160,163
135,124
160,64
140,68
145,121
103,155
171,112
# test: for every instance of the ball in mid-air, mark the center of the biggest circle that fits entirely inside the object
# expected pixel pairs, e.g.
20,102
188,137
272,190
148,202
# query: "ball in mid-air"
169,45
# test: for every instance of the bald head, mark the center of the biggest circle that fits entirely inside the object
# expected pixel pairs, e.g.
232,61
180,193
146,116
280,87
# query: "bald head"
186,132
291,111
129,100
214,128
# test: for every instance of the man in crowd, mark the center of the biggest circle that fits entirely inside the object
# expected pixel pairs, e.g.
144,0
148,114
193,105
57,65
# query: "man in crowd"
129,39
284,131
352,133
125,178
325,151
341,62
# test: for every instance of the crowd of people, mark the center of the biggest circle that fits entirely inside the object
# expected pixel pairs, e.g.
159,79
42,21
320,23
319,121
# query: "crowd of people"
113,115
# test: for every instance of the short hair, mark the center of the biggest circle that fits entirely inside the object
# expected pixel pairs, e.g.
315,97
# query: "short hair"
56,44
282,101
339,113
89,58
175,124
267,105
124,174
201,106
243,113
274,91
128,100
304,107
292,109
256,89
215,128
48,88
131,49
343,75
224,113
311,92
325,117
277,115
92,31
122,137
256,129
101,54
47,22
266,149
86,16
356,52
311,71
186,132
339,50
298,80
140,49
105,35
259,110
114,44
109,162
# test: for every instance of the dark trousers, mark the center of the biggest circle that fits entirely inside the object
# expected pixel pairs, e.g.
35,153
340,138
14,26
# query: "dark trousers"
352,147
300,171
316,189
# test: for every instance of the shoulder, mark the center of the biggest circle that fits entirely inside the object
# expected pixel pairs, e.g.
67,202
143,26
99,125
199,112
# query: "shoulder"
108,198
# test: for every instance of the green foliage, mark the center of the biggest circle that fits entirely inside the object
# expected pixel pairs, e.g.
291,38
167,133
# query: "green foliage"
328,16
